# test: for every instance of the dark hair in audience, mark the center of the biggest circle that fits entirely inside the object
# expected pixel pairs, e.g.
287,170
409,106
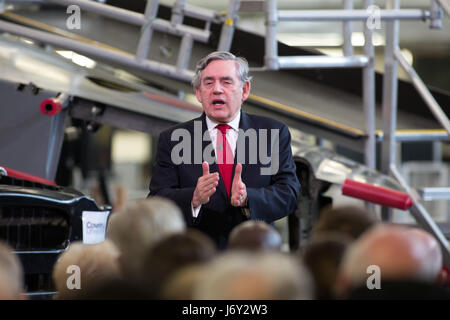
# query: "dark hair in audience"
254,235
323,257
173,253
350,220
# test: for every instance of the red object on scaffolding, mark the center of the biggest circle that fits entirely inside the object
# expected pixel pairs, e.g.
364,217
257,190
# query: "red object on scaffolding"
51,107
25,176
377,194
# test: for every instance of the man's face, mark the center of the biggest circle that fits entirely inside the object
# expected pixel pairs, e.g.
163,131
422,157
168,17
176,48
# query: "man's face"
221,92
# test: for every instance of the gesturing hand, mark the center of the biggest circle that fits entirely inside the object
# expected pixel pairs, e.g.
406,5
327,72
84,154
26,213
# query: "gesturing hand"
238,188
206,186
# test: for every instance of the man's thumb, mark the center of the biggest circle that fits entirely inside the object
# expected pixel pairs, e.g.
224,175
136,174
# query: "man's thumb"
238,171
205,167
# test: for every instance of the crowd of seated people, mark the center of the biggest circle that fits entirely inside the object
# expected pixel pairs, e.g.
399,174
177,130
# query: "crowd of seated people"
149,253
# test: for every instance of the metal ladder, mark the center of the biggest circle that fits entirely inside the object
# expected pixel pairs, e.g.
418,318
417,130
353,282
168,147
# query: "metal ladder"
148,23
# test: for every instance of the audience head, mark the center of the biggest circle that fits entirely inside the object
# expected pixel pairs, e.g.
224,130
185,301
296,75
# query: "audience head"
350,220
173,253
243,275
180,286
116,289
254,235
11,274
432,250
397,251
136,229
97,263
323,257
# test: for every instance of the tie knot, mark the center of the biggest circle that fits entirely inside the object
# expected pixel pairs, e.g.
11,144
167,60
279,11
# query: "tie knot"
223,128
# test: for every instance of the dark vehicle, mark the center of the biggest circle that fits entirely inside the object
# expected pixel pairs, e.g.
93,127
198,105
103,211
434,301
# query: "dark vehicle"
39,221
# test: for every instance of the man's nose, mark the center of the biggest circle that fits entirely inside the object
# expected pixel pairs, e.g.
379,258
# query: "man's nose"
217,87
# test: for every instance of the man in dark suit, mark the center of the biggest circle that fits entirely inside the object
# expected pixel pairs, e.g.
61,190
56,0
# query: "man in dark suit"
226,166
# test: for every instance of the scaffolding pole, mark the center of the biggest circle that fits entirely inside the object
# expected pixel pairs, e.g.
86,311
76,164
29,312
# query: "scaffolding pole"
445,5
347,31
361,15
418,135
271,44
184,55
178,12
369,94
426,95
389,108
306,62
422,217
145,38
232,18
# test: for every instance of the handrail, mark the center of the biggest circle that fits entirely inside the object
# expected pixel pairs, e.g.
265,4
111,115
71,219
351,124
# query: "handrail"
416,135
422,89
45,27
349,15
422,216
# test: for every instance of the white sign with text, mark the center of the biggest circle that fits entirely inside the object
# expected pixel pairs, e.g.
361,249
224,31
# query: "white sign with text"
94,226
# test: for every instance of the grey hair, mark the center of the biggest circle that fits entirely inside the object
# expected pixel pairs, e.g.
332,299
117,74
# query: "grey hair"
140,225
242,66
232,275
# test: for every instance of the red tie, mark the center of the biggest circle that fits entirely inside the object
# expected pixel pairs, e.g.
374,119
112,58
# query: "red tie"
224,156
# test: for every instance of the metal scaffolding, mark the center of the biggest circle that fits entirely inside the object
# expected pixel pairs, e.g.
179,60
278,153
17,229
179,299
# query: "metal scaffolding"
392,15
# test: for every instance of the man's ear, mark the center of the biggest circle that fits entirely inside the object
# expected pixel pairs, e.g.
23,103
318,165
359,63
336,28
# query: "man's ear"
246,90
199,96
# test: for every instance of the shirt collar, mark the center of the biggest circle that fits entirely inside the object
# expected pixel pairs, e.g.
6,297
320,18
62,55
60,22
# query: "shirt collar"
233,123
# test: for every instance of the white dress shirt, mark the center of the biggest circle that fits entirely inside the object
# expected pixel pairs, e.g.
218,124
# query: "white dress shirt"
232,137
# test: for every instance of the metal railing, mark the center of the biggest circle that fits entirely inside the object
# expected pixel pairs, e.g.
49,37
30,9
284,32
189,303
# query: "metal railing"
148,23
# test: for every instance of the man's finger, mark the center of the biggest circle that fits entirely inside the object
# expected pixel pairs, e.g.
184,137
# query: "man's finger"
207,186
207,194
205,168
208,179
211,191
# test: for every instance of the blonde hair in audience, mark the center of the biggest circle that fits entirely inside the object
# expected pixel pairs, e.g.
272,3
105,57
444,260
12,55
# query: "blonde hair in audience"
98,263
11,274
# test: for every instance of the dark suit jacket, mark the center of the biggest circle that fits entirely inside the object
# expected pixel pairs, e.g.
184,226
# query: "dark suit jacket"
270,197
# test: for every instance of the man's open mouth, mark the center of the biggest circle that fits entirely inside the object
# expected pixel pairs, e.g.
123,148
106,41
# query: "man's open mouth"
218,102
